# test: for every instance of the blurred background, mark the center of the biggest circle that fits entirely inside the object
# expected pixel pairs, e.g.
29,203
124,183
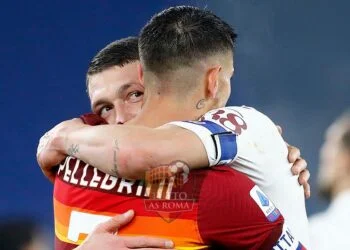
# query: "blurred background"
292,63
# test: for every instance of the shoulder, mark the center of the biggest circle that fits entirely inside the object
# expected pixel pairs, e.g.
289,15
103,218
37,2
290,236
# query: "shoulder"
226,189
231,209
239,119
224,175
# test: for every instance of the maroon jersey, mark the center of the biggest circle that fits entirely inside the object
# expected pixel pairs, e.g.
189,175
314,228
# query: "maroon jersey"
212,208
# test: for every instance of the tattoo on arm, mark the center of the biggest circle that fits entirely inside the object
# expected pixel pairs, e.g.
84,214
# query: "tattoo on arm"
200,104
43,142
116,145
73,149
115,164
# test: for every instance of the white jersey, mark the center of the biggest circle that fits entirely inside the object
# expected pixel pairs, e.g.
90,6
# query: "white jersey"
330,229
249,141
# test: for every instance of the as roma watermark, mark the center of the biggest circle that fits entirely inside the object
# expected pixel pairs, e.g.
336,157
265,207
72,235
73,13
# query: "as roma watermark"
167,197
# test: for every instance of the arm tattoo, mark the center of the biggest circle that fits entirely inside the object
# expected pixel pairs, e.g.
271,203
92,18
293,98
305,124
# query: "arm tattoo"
73,149
43,142
116,145
115,165
200,104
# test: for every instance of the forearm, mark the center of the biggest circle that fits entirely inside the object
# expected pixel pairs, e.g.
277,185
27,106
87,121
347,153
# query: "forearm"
108,148
129,151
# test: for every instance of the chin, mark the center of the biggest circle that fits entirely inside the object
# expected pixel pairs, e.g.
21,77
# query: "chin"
325,190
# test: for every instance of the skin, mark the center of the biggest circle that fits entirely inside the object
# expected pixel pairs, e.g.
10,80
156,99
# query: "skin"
102,87
104,237
116,94
334,174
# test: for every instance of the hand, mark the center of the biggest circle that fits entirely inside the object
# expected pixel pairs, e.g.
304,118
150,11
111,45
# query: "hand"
103,237
178,169
51,148
299,167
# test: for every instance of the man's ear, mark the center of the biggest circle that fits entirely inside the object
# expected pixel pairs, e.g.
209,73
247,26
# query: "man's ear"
140,73
212,80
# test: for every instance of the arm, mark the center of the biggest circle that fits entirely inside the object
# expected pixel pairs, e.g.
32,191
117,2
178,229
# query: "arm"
130,151
127,151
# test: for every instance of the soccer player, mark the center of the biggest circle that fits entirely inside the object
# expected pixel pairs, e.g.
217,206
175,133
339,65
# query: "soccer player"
212,97
328,230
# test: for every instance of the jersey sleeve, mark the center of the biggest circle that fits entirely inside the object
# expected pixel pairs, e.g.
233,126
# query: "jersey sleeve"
218,130
244,138
220,143
256,149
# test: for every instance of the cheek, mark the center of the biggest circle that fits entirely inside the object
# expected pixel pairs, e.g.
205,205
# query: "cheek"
110,121
134,109
331,165
110,118
326,164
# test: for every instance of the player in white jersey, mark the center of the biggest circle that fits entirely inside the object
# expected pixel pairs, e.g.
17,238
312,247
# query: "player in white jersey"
139,148
330,228
241,136
250,142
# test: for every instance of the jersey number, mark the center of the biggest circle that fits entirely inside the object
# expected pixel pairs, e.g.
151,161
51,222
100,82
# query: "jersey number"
231,121
81,222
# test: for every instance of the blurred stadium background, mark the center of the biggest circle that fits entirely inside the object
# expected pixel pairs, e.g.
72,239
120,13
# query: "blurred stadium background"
292,63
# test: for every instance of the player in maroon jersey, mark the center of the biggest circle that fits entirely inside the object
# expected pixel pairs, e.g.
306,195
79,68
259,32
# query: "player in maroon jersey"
91,197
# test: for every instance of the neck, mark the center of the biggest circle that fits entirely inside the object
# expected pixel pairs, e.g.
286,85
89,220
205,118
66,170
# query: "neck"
159,110
341,186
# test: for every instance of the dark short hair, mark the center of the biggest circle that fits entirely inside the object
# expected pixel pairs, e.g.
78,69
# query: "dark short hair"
180,35
117,53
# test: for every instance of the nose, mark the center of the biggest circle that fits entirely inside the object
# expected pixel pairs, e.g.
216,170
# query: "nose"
121,114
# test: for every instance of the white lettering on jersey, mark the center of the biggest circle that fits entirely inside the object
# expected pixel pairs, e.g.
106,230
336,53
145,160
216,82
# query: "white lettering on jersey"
287,241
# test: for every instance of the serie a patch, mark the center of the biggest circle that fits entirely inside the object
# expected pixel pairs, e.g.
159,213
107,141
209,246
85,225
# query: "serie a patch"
266,205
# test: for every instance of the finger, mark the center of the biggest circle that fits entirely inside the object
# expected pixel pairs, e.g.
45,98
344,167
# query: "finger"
303,180
293,154
279,128
114,223
155,175
299,166
304,177
142,241
158,174
307,191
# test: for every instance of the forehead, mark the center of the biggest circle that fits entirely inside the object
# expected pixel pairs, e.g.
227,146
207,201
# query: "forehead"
112,79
